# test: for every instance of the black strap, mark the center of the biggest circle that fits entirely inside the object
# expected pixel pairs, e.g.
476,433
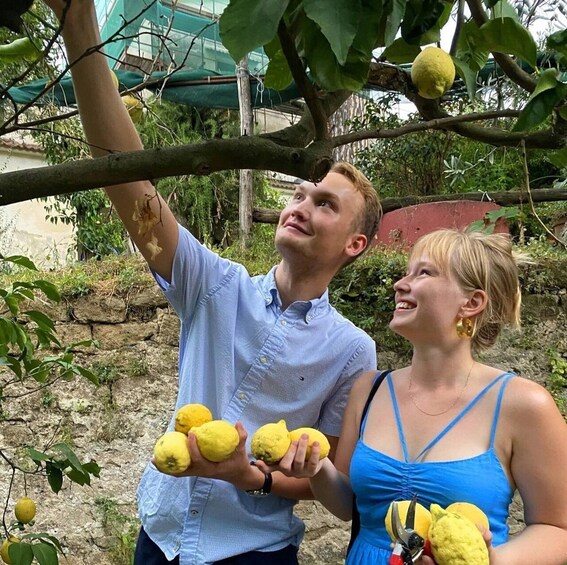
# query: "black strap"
355,524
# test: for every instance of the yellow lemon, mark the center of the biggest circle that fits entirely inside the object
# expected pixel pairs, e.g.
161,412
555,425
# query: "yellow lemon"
270,442
216,440
455,540
421,523
171,453
433,72
191,416
115,80
314,435
134,106
4,549
470,511
25,510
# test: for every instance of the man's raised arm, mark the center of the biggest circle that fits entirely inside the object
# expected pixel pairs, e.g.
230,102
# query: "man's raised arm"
108,128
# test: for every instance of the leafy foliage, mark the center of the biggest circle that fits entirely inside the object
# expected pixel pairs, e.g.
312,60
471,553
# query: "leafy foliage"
27,362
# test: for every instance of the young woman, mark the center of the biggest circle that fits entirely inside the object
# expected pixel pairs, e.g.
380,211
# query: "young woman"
450,428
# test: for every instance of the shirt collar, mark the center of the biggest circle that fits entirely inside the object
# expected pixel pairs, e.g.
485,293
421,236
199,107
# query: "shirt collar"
309,309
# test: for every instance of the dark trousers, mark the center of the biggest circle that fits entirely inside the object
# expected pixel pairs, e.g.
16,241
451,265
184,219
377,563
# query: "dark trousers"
148,553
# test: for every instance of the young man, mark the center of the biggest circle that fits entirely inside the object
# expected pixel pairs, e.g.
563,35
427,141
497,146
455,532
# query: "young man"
254,350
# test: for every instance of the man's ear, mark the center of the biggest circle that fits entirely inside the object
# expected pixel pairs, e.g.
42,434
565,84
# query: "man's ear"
357,245
475,304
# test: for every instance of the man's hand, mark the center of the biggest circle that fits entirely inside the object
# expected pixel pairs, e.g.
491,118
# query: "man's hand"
236,469
293,463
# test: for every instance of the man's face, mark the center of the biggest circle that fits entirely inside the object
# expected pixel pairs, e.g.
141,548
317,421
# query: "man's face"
318,223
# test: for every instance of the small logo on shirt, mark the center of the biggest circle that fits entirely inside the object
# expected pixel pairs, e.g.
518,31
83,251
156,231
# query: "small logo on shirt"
301,378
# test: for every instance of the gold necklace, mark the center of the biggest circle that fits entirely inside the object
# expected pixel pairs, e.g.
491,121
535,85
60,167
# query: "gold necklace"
447,409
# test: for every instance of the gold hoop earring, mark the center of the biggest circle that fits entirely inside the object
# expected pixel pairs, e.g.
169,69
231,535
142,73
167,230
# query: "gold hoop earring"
465,328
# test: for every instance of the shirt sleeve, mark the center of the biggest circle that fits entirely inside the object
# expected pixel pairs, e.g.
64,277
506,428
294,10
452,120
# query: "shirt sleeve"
362,360
196,272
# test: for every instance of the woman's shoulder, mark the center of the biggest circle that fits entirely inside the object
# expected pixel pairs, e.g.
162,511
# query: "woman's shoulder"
526,397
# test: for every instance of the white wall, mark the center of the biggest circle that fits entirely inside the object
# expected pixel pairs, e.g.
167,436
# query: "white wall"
23,227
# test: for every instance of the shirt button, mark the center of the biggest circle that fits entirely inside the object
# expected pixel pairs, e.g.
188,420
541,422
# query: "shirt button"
284,323
194,512
242,396
263,360
309,318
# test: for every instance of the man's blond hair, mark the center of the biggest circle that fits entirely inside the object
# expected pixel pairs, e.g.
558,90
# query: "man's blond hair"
368,218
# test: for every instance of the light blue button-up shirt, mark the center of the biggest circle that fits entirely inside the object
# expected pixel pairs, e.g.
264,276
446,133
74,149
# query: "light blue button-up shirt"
248,361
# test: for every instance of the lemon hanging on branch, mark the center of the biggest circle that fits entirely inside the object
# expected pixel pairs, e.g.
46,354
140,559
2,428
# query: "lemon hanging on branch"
433,72
25,510
5,548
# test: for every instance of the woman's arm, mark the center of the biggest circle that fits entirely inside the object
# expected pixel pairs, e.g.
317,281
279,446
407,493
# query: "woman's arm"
329,481
538,465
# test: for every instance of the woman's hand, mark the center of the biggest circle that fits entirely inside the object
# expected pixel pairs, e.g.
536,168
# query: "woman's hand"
293,463
487,536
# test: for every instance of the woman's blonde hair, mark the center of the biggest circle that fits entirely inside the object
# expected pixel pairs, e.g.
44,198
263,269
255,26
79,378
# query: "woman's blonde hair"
480,261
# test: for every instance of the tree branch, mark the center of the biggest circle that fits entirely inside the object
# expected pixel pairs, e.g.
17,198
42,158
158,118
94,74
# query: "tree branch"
267,216
304,85
514,72
438,123
249,152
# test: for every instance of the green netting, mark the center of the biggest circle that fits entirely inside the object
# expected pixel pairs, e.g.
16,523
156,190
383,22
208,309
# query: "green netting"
199,88
186,36
185,40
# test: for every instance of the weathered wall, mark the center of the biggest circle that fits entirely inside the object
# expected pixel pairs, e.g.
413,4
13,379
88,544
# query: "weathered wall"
118,422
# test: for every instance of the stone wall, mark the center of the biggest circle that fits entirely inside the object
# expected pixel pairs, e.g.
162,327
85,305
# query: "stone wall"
118,422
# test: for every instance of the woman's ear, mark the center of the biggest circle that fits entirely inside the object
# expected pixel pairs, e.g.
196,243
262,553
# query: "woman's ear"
475,304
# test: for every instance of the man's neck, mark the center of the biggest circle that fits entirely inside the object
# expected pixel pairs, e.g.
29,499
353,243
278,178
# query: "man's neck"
300,284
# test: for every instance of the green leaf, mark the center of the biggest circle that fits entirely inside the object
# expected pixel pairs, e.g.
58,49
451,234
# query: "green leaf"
93,468
54,477
20,553
21,261
394,19
558,158
89,375
558,42
79,477
505,35
22,48
468,49
468,75
420,17
248,24
45,554
400,52
338,21
278,74
49,289
503,9
549,91
43,536
43,321
70,454
37,456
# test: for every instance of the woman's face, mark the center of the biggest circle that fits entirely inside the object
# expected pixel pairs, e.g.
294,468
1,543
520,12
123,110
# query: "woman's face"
428,301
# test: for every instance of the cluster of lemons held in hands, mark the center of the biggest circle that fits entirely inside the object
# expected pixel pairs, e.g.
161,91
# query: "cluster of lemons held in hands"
453,533
433,72
218,439
24,511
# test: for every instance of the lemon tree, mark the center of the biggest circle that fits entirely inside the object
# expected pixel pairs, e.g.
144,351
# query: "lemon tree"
25,365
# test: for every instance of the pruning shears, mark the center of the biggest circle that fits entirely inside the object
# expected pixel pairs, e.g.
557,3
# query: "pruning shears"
409,546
